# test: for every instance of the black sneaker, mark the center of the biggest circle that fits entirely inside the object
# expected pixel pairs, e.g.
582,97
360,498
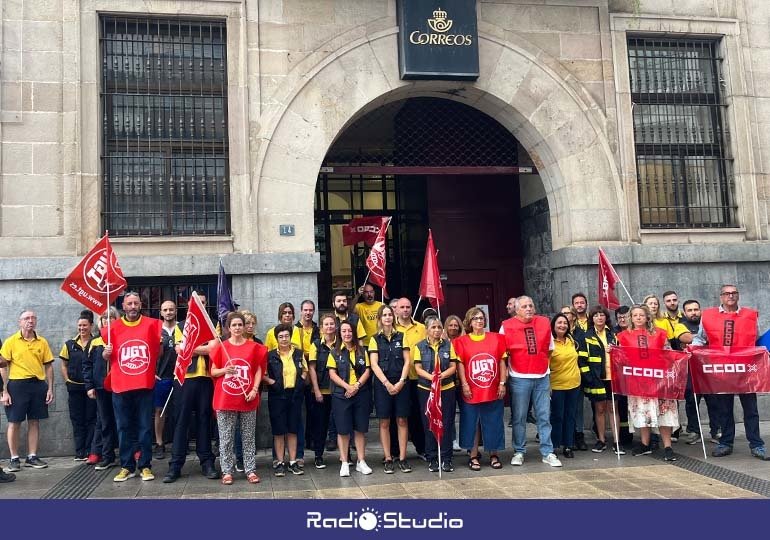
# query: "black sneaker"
388,467
6,477
580,442
239,465
81,457
294,468
642,450
35,462
619,450
319,463
159,452
403,466
433,466
599,447
331,445
104,464
668,454
279,469
447,466
14,465
675,435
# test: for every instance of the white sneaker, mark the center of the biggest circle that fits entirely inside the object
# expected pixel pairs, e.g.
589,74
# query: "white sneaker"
518,459
363,468
552,460
456,446
345,469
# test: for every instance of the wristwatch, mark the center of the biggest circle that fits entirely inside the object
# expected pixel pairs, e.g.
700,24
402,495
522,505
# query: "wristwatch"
402,380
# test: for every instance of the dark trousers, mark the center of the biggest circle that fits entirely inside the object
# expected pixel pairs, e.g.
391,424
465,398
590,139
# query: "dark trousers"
107,424
194,396
750,419
415,420
82,411
691,409
134,416
318,421
563,405
448,400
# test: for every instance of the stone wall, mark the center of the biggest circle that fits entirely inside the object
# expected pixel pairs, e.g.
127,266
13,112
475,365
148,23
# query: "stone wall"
536,244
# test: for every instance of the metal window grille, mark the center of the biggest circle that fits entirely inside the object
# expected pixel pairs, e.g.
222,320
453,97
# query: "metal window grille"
164,128
683,169
154,292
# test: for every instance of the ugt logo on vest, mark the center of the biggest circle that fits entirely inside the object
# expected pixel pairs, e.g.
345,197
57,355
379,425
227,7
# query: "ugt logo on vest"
134,357
483,369
237,383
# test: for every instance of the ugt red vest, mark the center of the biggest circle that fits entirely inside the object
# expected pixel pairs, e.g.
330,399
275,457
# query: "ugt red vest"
642,339
730,329
135,351
481,361
528,344
230,390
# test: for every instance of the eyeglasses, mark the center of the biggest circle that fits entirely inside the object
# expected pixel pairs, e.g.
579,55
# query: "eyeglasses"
478,318
730,293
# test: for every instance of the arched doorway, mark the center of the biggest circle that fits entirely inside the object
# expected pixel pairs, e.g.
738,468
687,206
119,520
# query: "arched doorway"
427,162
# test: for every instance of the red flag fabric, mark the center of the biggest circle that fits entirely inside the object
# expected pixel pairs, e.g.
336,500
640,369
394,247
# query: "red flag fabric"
198,330
363,229
375,262
88,282
433,406
430,282
738,370
608,278
650,373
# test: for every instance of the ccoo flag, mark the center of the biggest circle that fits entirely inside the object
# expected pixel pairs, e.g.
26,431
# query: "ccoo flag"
430,282
198,330
737,370
363,229
97,274
608,278
375,262
650,373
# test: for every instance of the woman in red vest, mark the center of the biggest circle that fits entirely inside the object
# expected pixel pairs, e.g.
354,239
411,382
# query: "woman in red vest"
482,363
648,413
237,365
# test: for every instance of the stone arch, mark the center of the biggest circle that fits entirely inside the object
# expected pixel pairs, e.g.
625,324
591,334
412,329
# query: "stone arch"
543,105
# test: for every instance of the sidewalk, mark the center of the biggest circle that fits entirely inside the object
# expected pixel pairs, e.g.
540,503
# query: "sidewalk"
588,475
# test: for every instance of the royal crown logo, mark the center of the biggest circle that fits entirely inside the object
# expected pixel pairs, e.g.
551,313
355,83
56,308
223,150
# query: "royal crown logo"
439,23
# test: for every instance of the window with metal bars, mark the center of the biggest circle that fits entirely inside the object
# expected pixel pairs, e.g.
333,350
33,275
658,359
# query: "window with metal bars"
164,129
683,167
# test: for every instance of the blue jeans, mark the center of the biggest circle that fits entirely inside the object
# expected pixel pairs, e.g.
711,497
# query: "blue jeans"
563,405
538,391
134,412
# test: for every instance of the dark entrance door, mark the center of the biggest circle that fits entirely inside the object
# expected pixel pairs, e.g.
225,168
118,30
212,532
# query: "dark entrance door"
475,227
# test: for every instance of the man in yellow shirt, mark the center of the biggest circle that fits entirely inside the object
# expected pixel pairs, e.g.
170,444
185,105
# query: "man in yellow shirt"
414,332
367,312
28,383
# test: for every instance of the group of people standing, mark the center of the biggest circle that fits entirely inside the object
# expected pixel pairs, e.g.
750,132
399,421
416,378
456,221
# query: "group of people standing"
324,380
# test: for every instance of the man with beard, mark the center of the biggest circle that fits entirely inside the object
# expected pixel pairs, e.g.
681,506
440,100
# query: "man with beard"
164,378
580,307
367,310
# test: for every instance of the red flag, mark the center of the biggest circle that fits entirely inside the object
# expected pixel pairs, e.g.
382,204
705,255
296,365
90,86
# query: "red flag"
97,271
433,406
738,370
608,278
198,330
430,282
363,229
651,373
375,262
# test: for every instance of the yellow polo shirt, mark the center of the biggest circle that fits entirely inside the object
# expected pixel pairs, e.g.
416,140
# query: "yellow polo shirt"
290,370
331,363
272,343
367,316
417,357
26,357
413,334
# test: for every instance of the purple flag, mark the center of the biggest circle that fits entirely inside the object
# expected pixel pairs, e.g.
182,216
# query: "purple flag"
225,302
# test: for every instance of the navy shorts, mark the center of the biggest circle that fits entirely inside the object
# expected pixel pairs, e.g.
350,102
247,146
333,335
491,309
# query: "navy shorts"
285,410
27,400
162,390
352,414
490,415
607,396
387,405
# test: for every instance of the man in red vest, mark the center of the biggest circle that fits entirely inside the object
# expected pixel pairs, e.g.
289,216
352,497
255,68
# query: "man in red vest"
528,340
721,328
132,353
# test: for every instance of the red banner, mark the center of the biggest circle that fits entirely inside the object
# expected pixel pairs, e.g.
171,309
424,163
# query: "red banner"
738,370
430,282
363,229
433,406
651,373
198,330
608,278
89,281
375,262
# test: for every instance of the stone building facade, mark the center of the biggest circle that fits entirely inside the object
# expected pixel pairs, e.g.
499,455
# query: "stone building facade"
555,73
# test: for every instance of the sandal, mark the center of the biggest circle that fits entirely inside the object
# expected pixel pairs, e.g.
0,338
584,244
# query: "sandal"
252,478
474,464
227,479
494,462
